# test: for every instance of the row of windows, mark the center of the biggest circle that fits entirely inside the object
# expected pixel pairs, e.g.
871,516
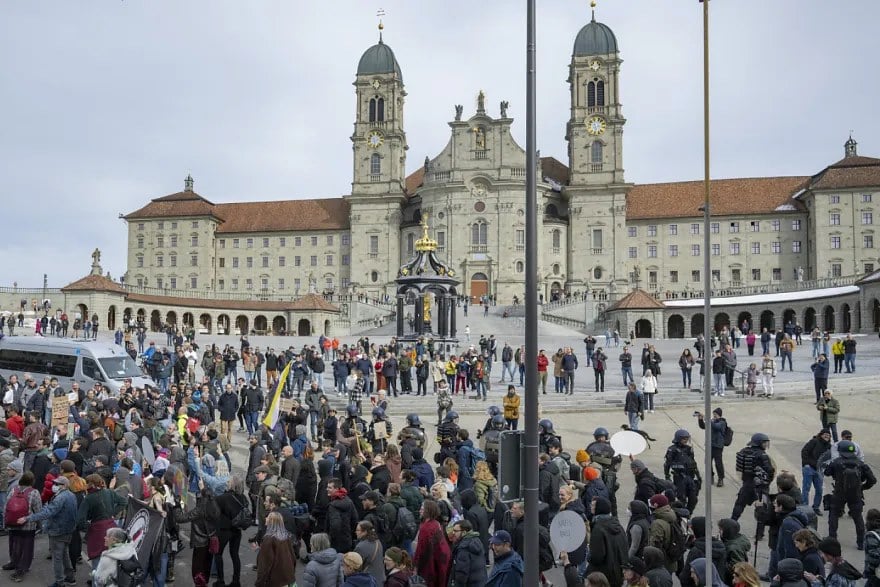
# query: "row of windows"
866,198
281,283
735,275
172,260
171,284
834,218
282,261
161,225
282,241
160,241
733,248
714,228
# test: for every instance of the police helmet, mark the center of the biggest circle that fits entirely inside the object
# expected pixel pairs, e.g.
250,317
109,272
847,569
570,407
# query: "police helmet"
846,448
681,434
497,420
600,432
759,438
378,412
451,415
546,426
493,410
351,410
413,420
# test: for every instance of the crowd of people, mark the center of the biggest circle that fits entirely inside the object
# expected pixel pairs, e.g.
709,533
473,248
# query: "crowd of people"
332,499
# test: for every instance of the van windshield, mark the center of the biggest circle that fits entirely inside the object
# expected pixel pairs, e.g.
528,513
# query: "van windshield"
120,367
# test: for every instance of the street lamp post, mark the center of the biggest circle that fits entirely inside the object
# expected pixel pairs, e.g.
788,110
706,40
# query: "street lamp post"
530,441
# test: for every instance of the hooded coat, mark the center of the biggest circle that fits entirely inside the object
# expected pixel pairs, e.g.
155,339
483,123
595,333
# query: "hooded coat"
791,573
507,571
105,574
638,527
477,515
342,518
660,533
736,545
324,569
698,551
699,567
609,547
655,561
469,562
791,523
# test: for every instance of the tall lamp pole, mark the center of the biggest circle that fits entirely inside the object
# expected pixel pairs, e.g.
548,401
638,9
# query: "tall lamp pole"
707,296
530,442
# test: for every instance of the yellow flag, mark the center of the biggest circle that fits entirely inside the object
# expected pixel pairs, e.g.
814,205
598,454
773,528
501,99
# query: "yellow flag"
272,413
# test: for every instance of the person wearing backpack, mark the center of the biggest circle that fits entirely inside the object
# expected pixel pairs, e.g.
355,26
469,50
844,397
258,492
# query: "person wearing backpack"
665,532
116,561
477,515
22,500
851,478
719,433
235,516
757,471
61,515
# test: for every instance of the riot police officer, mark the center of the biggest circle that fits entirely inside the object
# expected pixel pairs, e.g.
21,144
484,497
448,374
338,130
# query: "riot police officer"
447,436
757,471
602,453
546,434
379,431
490,441
492,411
851,478
412,436
352,429
681,467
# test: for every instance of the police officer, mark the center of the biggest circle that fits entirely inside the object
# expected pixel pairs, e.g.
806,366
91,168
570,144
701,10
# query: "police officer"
412,436
491,411
491,440
851,478
757,471
681,467
447,436
352,428
546,433
379,431
602,453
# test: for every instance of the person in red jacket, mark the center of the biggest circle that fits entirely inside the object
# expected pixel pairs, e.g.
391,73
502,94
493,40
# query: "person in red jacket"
543,361
14,422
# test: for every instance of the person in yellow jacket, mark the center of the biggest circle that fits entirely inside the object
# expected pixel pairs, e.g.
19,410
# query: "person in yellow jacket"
837,351
511,407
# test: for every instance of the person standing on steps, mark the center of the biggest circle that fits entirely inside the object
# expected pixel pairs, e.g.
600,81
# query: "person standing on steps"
719,430
569,365
768,374
648,386
542,362
626,370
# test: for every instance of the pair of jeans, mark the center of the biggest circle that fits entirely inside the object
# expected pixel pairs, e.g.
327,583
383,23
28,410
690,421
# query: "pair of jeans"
507,368
522,374
811,478
718,460
313,422
718,383
21,548
849,360
251,420
786,355
560,386
627,373
600,380
633,420
512,423
481,388
158,576
686,377
568,378
61,565
231,537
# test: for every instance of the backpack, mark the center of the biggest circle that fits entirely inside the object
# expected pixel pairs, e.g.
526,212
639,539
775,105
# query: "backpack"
848,481
243,519
661,485
745,461
475,456
405,528
677,544
728,434
286,488
129,573
18,505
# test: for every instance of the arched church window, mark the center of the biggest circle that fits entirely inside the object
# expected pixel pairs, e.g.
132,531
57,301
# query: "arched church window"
479,233
551,210
556,238
375,164
600,93
372,109
380,109
520,268
591,94
597,273
596,152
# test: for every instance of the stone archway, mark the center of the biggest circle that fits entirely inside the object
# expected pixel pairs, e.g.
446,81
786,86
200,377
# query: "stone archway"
141,317
643,328
303,328
171,318
828,318
241,324
188,320
261,324
479,287
83,311
768,320
809,319
675,327
279,325
126,317
697,325
111,318
789,316
205,323
846,318
721,320
875,314
155,321
744,322
327,327
223,324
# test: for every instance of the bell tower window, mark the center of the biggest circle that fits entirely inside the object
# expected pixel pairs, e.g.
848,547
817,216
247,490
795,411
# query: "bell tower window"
595,93
375,164
377,109
372,109
596,153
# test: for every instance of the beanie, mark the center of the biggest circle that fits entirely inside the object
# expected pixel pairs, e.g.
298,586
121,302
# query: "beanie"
603,506
68,466
590,473
830,546
637,465
718,411
658,501
581,456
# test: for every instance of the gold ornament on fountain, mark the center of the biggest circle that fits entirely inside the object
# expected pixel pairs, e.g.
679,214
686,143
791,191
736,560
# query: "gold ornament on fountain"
426,243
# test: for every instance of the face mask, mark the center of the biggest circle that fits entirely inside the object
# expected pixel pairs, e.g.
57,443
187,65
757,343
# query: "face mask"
56,488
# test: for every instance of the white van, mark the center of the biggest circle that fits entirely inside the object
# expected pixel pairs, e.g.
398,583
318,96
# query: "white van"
69,360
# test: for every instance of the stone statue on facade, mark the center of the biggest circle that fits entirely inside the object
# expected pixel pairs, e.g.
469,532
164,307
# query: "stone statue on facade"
480,138
313,283
800,273
96,256
481,102
458,111
504,106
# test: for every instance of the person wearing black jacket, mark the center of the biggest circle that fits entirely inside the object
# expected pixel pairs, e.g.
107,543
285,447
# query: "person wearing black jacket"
232,501
813,477
342,518
609,547
719,428
253,404
478,517
698,550
228,406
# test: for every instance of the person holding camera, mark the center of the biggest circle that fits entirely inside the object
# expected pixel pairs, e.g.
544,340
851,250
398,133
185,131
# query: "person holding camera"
719,429
829,409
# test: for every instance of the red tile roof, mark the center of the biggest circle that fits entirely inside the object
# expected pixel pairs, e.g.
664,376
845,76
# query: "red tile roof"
180,204
849,172
637,299
757,195
94,283
554,169
414,181
283,215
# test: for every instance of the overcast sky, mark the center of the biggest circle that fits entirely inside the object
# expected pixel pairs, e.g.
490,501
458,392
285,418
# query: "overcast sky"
108,103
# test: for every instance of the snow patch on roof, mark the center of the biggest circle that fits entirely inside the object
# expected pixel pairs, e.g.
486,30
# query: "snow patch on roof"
768,298
785,208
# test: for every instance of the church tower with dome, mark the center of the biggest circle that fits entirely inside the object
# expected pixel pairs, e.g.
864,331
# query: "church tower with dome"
379,151
596,190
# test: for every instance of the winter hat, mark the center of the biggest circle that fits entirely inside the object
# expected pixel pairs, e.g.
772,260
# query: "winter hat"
262,469
581,456
60,454
395,555
658,501
718,411
698,525
830,546
603,506
729,528
67,466
63,481
353,560
637,465
636,565
590,473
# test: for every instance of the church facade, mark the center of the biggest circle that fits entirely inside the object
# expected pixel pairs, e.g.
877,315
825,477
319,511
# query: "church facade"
596,233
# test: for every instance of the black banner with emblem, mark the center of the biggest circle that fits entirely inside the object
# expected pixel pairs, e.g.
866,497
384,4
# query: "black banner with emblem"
144,526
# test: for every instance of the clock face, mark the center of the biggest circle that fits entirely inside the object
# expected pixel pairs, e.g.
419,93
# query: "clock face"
596,125
595,65
375,139
376,84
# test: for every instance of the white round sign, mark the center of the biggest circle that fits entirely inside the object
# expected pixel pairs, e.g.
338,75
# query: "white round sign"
567,531
627,442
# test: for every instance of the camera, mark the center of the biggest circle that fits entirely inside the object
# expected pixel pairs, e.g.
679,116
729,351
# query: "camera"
697,414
